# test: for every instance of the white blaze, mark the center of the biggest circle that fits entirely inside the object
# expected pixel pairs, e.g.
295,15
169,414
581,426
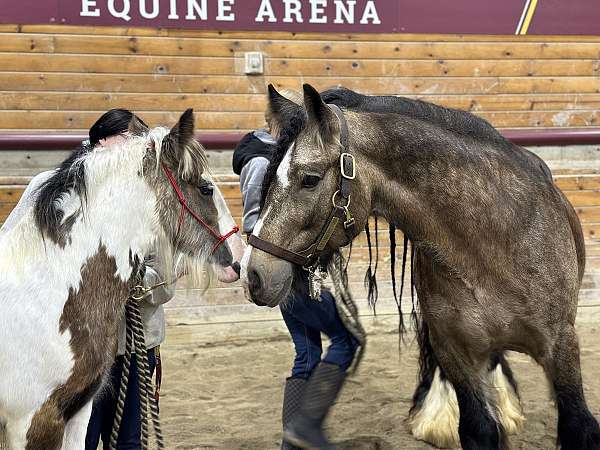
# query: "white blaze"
284,168
225,222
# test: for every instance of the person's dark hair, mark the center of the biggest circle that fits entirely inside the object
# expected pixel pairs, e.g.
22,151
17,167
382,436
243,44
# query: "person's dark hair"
111,123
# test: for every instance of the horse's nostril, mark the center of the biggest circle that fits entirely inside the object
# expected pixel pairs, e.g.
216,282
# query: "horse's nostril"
236,268
255,286
254,281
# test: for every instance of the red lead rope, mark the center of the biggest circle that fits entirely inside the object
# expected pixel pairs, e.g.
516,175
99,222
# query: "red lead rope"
184,207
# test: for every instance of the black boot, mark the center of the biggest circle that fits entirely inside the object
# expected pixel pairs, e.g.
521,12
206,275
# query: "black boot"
306,428
292,399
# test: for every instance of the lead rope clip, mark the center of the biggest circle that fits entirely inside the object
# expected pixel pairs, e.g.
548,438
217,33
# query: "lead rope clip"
316,276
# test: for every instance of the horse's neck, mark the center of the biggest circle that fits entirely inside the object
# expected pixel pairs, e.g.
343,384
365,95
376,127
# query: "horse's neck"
413,186
399,172
116,219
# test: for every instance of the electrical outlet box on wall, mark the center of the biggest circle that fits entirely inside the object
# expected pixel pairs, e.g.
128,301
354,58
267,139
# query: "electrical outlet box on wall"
253,63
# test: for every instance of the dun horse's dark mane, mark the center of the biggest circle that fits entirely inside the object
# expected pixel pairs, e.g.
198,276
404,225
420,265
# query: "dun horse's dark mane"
458,122
70,175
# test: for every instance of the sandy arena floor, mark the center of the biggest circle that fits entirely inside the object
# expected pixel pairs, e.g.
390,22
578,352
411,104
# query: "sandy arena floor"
227,396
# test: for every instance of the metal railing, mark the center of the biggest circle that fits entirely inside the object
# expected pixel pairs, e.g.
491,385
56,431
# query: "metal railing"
228,141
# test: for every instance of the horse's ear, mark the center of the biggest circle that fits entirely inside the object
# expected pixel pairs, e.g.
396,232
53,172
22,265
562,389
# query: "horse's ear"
183,131
136,126
319,114
281,110
181,150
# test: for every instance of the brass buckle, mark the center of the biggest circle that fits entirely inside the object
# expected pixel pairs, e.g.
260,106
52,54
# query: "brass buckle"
349,219
343,170
139,293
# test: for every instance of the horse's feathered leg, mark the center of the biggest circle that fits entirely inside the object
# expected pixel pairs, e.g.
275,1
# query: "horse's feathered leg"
433,417
465,366
501,378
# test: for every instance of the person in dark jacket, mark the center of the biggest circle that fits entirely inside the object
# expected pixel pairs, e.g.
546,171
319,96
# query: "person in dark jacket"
316,380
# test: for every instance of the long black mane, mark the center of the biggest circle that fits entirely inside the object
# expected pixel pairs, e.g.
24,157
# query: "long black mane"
70,175
461,123
456,121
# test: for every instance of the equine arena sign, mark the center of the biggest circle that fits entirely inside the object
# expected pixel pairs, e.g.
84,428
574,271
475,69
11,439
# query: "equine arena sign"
357,16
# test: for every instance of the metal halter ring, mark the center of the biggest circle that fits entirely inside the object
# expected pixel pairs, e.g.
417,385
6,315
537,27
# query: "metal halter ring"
341,206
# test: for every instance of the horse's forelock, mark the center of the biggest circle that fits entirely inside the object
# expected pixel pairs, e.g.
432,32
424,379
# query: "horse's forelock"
192,163
287,137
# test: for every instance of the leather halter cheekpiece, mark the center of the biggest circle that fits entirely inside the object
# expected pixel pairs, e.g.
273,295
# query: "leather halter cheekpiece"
339,212
221,238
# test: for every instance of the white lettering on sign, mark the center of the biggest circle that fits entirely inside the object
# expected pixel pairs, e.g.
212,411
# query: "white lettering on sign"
224,12
317,11
86,11
292,11
292,7
123,13
194,8
265,10
370,12
173,10
144,12
345,8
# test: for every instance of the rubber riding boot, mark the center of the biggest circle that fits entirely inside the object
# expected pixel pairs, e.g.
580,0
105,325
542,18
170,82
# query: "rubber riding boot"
292,400
306,428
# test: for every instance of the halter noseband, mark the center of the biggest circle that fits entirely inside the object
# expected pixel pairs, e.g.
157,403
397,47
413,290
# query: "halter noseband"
185,207
339,213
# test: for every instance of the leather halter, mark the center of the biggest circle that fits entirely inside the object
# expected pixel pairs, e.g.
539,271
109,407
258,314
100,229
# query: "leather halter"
339,212
184,207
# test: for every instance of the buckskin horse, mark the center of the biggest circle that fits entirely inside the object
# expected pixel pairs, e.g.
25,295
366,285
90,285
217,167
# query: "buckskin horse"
68,266
499,251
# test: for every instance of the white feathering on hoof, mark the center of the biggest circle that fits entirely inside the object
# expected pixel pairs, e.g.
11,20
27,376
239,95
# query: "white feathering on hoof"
436,421
509,407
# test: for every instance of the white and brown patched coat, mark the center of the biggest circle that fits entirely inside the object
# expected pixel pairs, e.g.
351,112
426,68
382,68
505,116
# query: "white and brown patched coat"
67,267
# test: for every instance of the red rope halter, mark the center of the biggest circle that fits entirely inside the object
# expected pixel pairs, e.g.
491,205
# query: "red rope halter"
184,207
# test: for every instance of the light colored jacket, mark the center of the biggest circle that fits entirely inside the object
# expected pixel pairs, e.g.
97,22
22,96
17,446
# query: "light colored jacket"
251,179
153,315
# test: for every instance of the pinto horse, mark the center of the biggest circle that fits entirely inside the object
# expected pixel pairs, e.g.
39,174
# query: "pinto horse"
68,266
499,251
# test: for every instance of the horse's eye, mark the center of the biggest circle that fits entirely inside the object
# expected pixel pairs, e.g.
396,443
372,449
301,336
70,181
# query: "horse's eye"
310,181
206,189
